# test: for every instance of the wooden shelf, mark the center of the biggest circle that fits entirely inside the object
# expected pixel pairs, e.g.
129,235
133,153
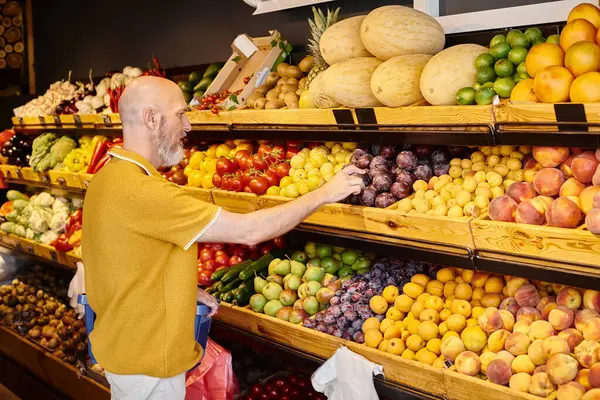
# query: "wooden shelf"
49,369
40,251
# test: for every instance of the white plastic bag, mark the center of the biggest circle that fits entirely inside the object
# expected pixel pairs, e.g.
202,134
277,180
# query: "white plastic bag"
77,287
9,264
347,376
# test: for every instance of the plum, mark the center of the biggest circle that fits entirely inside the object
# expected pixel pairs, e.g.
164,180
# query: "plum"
400,190
441,169
439,156
367,197
423,172
353,199
407,160
388,152
364,161
423,151
373,172
382,182
385,200
403,176
356,154
378,162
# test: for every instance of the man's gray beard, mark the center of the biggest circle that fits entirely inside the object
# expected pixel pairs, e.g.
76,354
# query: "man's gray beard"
169,155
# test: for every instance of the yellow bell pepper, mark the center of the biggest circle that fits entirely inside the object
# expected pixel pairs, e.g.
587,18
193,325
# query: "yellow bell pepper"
75,160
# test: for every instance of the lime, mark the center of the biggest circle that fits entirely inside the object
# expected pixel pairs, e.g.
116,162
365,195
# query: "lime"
500,50
533,33
485,74
519,40
465,96
488,85
477,86
539,40
512,33
517,55
504,68
522,67
554,39
504,86
484,60
497,39
485,96
520,76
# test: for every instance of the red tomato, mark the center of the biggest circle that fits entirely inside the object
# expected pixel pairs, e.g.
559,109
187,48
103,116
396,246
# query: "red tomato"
239,154
220,252
225,166
217,180
234,260
247,189
240,251
282,170
291,153
204,278
248,175
264,149
207,254
263,141
254,255
210,265
259,162
272,178
259,185
226,182
252,248
236,184
222,260
218,246
293,144
278,152
267,248
279,242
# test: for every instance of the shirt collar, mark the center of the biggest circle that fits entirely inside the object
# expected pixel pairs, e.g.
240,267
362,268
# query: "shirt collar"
135,158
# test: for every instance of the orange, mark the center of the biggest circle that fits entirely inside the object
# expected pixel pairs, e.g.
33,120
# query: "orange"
582,57
575,31
523,92
552,84
586,88
543,55
586,11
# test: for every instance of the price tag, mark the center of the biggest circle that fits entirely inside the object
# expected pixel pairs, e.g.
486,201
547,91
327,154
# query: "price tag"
107,120
77,120
57,120
42,120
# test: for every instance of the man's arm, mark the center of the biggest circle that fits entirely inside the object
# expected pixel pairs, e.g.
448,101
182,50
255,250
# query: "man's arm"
262,225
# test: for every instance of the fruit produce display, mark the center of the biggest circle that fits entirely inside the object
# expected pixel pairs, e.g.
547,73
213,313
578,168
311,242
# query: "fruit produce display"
16,148
42,218
197,82
35,305
285,387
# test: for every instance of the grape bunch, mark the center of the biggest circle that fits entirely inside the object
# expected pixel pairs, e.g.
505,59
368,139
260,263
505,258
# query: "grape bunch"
391,173
349,307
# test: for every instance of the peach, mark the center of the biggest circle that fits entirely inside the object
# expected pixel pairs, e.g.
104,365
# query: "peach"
508,320
490,321
497,340
547,309
561,318
584,166
592,221
596,201
571,187
521,191
570,391
486,358
583,316
527,296
510,304
547,181
594,376
561,368
520,382
491,300
506,356
586,198
540,330
479,278
532,212
563,213
522,363
461,307
555,345
463,291
591,330
593,394
494,285
536,352
550,156
514,284
596,177
572,336
474,338
557,287
544,300
545,199
587,353
530,168
565,167
522,326
451,347
583,378
517,343
498,372
478,293
541,385
591,300
528,313
468,363
503,208
569,297
539,368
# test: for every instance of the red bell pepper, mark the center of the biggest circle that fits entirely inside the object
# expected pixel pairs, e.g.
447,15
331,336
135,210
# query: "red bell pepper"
101,163
74,222
99,151
62,243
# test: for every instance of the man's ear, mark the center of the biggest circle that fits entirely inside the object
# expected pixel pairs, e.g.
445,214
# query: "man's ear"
150,118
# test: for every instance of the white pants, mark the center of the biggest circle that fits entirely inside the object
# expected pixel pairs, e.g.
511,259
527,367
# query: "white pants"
144,387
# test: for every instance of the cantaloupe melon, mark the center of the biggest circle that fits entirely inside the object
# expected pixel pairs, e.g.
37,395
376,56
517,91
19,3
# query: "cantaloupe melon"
341,41
449,71
349,82
392,31
316,95
396,82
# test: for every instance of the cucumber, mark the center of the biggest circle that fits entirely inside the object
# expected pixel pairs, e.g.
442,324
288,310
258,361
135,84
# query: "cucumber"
243,294
228,297
212,70
260,264
231,285
203,84
216,288
13,195
233,272
218,275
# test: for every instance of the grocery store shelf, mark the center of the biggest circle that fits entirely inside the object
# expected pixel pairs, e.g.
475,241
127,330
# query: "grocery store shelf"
40,252
49,369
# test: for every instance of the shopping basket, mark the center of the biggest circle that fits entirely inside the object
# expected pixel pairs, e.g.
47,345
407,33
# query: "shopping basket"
201,324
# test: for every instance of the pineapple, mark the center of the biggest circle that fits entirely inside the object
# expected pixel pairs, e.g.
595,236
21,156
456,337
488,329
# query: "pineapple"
317,27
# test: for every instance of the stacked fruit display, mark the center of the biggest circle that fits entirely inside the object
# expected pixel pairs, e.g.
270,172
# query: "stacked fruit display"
299,287
534,337
349,307
470,183
198,82
558,190
16,148
289,387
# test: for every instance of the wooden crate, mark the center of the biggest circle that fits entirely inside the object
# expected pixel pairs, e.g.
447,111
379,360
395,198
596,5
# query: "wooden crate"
200,193
107,121
9,172
84,180
26,246
463,387
243,203
65,180
509,116
574,246
27,174
397,369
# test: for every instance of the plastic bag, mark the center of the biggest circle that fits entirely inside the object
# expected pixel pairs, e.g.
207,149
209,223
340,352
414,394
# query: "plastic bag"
77,287
347,376
213,379
9,264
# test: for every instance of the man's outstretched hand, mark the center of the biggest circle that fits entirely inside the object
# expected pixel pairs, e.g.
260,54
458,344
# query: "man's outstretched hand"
346,182
209,301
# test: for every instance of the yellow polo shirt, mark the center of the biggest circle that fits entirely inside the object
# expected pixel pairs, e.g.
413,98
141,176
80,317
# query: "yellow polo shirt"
140,256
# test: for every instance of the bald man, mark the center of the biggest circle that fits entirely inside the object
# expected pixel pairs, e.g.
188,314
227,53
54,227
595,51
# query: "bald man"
140,252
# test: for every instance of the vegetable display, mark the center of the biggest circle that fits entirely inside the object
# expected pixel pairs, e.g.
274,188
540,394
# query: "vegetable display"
16,148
